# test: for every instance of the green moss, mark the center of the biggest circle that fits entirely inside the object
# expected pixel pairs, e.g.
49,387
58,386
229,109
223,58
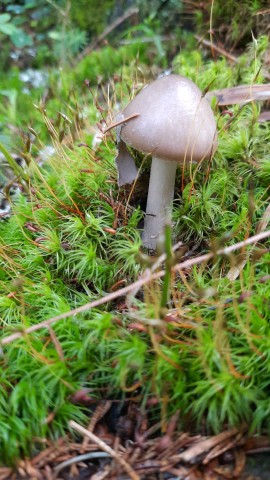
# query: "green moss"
91,16
74,237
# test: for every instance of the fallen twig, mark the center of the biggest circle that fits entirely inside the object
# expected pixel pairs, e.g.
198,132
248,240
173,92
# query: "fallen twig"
123,120
139,283
129,13
129,470
218,49
255,445
191,454
222,447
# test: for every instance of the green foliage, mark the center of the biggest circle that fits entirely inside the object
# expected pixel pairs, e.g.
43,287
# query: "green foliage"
19,38
67,44
61,263
216,199
74,27
102,64
162,15
57,31
91,16
75,237
239,29
15,23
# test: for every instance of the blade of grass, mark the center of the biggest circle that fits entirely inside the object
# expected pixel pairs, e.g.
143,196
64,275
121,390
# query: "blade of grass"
168,264
13,164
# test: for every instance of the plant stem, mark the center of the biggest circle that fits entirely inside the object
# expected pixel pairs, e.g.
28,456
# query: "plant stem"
13,164
16,168
168,263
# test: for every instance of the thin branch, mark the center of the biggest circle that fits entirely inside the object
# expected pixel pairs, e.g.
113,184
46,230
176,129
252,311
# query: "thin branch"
129,13
204,446
106,448
218,49
139,283
124,120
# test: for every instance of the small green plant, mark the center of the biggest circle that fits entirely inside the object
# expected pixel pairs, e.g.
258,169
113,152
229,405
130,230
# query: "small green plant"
18,37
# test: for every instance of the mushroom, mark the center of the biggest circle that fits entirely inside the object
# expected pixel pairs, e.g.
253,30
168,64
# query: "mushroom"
171,120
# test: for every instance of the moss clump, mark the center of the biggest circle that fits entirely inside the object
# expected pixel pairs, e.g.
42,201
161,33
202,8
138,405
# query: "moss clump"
75,238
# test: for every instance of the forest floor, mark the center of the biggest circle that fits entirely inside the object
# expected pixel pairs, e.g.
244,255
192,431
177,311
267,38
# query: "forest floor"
98,379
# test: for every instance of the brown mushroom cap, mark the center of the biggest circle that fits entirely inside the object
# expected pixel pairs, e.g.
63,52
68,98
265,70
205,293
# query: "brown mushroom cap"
175,121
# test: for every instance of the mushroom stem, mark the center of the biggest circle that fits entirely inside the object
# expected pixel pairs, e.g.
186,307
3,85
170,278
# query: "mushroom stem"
160,197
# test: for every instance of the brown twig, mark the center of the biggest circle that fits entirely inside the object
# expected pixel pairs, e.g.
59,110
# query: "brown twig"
139,283
223,447
124,120
106,448
129,13
191,454
218,49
